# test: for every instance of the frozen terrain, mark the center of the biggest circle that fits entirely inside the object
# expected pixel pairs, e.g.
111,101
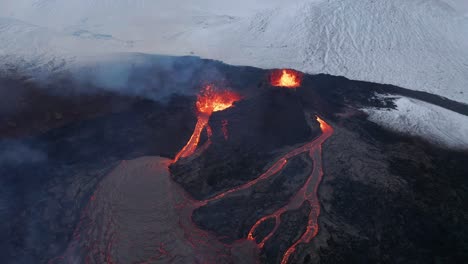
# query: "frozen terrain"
433,123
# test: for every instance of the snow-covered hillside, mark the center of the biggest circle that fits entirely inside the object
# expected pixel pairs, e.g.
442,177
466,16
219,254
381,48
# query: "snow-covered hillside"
428,121
420,45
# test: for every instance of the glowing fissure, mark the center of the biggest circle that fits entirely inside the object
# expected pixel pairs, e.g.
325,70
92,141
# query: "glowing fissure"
211,100
192,144
307,193
208,101
286,78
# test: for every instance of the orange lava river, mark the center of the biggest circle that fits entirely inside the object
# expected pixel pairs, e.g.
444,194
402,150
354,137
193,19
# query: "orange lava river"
306,194
208,101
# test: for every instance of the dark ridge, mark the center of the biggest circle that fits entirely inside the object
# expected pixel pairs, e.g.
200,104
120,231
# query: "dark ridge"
441,101
365,90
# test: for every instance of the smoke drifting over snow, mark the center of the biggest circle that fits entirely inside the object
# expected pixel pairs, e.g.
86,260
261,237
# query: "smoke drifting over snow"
153,77
148,76
420,45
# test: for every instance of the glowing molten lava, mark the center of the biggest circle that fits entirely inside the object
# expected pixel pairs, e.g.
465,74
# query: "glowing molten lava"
307,194
286,78
99,240
208,101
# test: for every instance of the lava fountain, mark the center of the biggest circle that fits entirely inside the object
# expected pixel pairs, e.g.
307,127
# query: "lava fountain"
208,101
286,78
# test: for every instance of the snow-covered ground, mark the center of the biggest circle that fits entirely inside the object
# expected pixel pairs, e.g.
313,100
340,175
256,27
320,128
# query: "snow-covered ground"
433,123
419,44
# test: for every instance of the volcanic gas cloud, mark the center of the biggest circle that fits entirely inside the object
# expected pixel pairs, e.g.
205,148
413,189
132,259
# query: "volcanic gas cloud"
286,78
210,99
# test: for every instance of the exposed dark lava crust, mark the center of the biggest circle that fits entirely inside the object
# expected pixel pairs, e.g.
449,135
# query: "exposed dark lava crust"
383,198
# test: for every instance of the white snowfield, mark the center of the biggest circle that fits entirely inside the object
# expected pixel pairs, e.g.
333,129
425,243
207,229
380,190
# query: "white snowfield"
433,123
416,44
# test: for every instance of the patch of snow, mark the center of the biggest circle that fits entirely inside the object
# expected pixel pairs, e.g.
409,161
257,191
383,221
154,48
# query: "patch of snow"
418,118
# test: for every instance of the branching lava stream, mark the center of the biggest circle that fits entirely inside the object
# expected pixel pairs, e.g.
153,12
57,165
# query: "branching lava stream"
308,192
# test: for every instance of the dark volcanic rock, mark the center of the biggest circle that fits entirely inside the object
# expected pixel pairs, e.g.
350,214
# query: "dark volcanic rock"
232,217
384,198
46,179
258,127
392,200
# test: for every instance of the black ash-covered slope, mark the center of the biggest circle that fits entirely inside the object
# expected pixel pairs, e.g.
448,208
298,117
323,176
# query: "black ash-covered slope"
384,197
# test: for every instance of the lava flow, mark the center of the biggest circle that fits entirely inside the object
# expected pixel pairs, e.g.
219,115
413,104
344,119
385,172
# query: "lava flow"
162,230
286,78
307,193
208,101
